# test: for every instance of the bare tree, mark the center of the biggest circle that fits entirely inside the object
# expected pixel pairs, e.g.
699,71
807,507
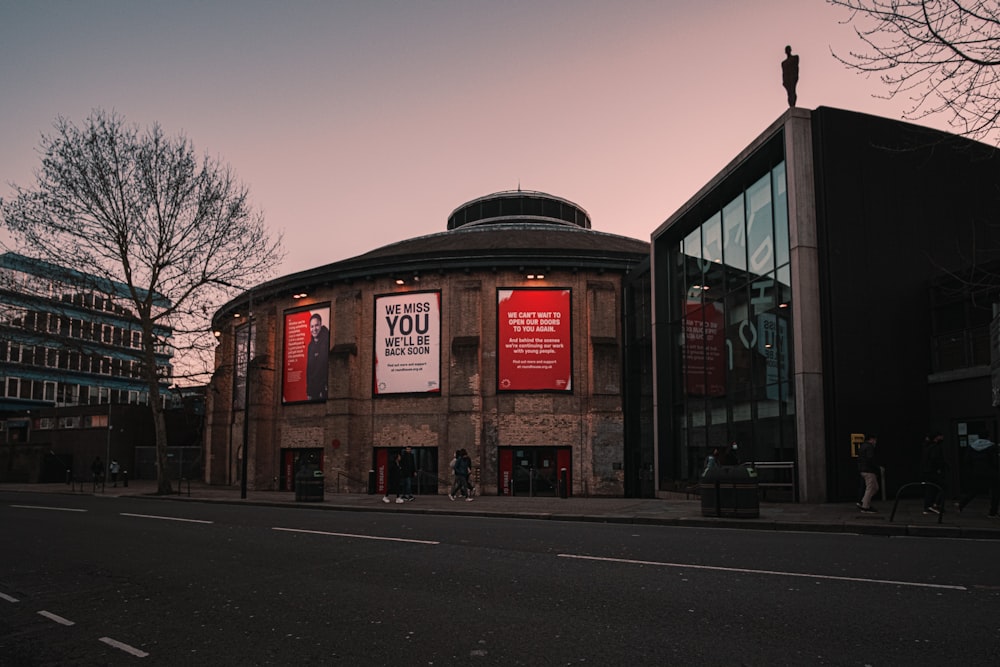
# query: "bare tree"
942,54
135,208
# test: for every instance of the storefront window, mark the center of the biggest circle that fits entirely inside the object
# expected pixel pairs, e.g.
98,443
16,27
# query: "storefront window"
734,351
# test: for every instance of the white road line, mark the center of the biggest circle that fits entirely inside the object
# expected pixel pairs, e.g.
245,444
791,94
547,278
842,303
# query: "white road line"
164,518
39,507
53,617
688,566
8,598
360,537
124,647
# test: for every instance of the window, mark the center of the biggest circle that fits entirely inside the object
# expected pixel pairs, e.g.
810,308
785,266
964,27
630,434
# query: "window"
961,312
70,422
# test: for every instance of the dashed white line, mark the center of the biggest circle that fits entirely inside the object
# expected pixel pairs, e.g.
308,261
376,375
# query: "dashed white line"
359,537
124,647
688,566
54,617
164,518
57,509
8,598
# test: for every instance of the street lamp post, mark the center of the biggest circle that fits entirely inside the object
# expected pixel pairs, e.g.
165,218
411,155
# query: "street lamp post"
246,399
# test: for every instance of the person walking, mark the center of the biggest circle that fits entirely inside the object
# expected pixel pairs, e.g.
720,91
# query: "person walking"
97,470
868,468
932,467
407,471
983,474
113,468
463,466
392,479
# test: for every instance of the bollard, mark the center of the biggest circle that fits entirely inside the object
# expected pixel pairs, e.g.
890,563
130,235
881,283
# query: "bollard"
563,483
124,477
69,476
371,482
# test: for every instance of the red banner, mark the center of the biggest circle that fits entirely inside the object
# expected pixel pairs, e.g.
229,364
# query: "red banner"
534,342
704,349
306,356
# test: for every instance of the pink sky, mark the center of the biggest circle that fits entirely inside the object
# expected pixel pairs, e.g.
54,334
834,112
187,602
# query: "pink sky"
364,122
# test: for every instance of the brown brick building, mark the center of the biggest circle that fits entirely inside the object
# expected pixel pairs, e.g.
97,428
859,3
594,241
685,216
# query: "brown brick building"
503,335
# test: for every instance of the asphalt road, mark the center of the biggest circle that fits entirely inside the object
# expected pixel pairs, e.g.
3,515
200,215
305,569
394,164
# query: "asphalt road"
88,580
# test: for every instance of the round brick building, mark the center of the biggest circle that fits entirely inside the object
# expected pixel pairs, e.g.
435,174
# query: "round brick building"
502,336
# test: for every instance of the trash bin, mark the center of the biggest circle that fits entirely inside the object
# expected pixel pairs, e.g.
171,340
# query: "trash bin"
730,491
309,486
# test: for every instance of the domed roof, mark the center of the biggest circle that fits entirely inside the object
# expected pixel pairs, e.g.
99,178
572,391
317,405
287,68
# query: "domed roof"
519,206
514,228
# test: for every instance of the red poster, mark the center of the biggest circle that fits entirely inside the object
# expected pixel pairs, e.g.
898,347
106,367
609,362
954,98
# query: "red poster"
306,356
704,349
506,465
534,345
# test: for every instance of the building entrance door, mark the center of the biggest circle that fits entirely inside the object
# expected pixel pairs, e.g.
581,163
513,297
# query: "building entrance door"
532,470
427,479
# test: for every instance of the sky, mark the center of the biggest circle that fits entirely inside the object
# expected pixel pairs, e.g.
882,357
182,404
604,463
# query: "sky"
359,123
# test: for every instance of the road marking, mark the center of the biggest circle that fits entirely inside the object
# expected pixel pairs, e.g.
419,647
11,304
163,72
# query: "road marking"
360,537
688,566
164,518
8,598
58,619
124,647
57,509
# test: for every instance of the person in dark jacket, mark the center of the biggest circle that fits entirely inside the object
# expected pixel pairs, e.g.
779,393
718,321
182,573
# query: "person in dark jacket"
392,479
462,467
868,468
407,471
317,360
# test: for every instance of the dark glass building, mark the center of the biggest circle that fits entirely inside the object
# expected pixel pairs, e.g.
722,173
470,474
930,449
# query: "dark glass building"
837,278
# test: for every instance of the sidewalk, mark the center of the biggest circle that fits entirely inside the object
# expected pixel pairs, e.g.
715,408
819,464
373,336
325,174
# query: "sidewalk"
674,511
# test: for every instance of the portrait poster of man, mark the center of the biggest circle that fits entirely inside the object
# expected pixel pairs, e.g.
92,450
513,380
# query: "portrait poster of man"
306,355
534,341
407,343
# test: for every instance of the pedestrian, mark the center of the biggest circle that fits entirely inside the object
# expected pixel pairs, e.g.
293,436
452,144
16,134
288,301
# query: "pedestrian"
113,468
468,478
97,470
462,468
407,471
982,474
932,468
454,477
731,454
868,468
711,461
392,478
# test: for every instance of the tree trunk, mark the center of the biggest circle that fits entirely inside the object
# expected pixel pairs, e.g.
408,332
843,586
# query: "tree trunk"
163,486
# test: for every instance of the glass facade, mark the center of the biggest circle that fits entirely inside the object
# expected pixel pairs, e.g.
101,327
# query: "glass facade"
730,316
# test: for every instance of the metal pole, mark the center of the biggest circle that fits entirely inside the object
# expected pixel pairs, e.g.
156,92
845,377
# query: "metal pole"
246,400
107,454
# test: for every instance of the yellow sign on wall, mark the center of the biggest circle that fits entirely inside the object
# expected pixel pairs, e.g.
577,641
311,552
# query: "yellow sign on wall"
856,440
